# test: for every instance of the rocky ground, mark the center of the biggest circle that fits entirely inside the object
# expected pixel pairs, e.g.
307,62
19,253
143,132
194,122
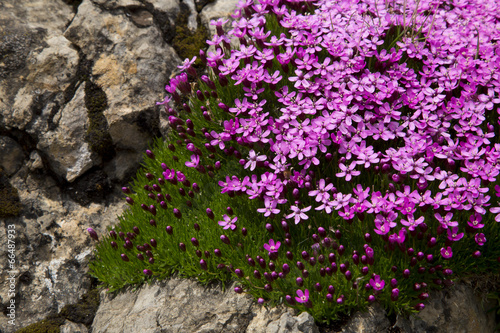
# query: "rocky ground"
78,86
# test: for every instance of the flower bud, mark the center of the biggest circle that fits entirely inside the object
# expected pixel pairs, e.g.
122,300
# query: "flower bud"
224,239
92,234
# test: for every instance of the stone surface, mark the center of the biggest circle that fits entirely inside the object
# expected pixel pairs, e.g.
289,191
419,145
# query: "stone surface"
67,153
183,305
52,246
372,321
12,155
131,65
71,327
454,310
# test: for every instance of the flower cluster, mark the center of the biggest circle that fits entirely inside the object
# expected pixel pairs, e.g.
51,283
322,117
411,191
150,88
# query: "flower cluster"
348,136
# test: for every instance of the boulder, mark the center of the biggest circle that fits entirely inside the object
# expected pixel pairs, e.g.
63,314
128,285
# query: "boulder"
183,305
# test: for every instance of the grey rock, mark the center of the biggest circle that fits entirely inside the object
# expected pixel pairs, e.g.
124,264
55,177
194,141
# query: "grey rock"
131,65
26,28
11,155
52,246
182,305
71,327
35,161
456,310
372,321
68,154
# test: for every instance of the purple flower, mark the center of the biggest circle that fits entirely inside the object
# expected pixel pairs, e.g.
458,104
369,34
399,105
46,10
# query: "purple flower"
303,296
480,239
272,246
298,214
377,283
253,159
446,253
93,234
195,160
228,223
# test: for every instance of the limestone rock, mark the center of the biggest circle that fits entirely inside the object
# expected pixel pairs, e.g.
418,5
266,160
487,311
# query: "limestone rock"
455,310
52,246
131,65
71,327
35,161
67,152
25,30
11,154
372,321
182,305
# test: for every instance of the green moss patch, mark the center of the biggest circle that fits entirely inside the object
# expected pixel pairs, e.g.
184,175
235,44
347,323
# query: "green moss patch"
188,44
82,312
98,135
10,204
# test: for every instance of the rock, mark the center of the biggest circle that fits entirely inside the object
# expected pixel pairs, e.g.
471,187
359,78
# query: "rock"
25,30
12,155
71,327
52,246
183,305
130,65
280,319
35,161
372,321
455,310
67,152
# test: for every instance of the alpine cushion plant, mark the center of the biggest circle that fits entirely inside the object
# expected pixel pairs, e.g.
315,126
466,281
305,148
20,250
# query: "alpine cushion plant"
346,152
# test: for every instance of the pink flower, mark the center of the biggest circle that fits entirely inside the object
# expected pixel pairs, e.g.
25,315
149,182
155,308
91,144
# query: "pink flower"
253,159
480,239
303,296
446,253
228,223
195,160
377,283
298,213
272,246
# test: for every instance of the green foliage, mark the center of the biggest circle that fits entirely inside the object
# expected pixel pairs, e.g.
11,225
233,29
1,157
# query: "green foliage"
50,325
83,311
10,204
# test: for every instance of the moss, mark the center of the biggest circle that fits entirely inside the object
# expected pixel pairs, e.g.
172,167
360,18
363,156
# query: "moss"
82,312
10,204
45,326
188,44
98,135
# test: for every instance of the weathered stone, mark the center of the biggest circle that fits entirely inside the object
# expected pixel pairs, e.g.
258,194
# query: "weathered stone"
25,30
52,246
67,152
35,161
12,155
182,305
372,321
455,310
130,65
71,327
